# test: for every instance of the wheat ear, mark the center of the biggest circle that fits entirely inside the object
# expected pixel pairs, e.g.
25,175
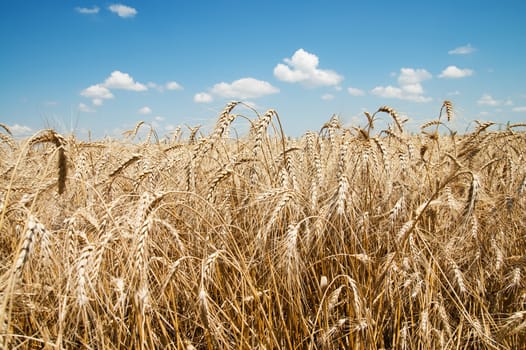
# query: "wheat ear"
59,141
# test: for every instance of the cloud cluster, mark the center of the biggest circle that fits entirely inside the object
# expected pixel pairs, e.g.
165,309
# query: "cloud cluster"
302,67
409,86
120,10
119,81
243,88
488,100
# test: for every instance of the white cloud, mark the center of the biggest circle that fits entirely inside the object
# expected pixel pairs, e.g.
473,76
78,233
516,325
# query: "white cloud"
302,67
97,93
244,88
85,108
410,87
123,81
355,92
462,50
203,97
155,86
327,97
519,109
123,10
396,92
87,11
488,100
454,72
409,76
145,110
453,93
172,85
20,130
159,118
413,89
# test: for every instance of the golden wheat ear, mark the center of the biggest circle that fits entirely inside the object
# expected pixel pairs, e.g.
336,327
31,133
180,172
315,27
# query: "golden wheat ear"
448,106
51,136
6,128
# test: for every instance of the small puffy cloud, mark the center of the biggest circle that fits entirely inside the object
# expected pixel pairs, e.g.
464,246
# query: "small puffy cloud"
145,110
123,81
453,72
327,97
123,10
203,97
519,109
97,93
488,100
172,85
20,130
410,86
413,89
410,76
302,67
85,108
387,91
355,92
399,93
88,11
244,88
462,50
159,118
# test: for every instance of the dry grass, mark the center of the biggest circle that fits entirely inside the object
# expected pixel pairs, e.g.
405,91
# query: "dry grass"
344,238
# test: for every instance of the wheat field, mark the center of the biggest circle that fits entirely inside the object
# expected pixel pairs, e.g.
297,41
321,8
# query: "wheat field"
344,238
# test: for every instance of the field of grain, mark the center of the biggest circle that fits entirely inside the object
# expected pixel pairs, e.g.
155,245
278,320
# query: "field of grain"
356,238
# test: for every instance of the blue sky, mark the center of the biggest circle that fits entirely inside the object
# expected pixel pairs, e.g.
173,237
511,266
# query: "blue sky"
80,66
